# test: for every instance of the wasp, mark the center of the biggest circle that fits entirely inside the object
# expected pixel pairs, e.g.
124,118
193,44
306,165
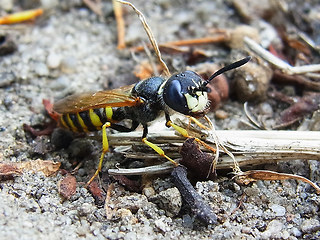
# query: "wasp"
143,102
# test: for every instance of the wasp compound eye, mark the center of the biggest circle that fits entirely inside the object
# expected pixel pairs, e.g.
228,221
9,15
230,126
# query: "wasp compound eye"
174,98
184,93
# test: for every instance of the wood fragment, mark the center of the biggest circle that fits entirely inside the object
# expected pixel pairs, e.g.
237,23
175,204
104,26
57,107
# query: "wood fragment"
253,122
67,186
20,17
239,205
9,170
309,41
97,192
302,107
118,13
254,175
277,62
46,131
249,147
150,36
107,201
280,77
219,38
295,43
145,70
48,167
94,6
16,168
156,169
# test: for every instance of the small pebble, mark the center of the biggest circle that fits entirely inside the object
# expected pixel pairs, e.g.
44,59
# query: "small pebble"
27,224
41,69
266,109
310,225
268,35
130,236
221,114
132,202
6,78
278,210
296,232
161,225
49,4
187,221
273,230
68,64
285,234
252,192
85,209
148,192
6,5
53,60
250,10
169,200
60,84
238,34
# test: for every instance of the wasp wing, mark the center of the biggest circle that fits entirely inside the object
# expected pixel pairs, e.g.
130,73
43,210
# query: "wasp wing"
84,101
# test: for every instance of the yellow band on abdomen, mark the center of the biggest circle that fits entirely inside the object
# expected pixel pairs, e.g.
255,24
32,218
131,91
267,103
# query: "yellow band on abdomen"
109,113
95,119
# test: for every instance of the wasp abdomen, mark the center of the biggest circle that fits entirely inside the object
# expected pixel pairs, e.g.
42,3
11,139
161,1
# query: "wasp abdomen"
87,121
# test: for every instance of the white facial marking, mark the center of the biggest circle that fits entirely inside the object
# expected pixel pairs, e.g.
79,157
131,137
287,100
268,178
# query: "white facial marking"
192,102
197,104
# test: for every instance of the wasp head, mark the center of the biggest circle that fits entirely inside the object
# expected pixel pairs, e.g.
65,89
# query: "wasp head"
186,92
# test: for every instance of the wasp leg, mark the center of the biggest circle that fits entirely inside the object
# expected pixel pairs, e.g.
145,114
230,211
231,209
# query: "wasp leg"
185,133
105,148
121,128
199,123
154,146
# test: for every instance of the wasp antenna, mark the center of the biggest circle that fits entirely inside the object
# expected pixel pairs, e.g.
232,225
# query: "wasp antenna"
228,67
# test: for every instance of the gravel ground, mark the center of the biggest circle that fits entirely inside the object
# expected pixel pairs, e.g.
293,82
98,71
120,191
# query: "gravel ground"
73,50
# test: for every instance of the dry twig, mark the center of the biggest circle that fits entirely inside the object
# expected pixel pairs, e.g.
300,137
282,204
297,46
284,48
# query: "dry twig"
254,175
249,147
277,62
107,201
218,38
117,9
238,148
150,36
298,80
95,6
20,17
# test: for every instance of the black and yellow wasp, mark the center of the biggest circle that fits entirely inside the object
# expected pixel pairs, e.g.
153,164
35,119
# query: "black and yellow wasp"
143,102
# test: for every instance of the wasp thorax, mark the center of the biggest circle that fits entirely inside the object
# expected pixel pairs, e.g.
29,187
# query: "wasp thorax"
184,93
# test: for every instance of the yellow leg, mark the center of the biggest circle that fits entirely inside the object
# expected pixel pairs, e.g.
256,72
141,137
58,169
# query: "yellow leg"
105,148
158,150
179,129
199,123
185,133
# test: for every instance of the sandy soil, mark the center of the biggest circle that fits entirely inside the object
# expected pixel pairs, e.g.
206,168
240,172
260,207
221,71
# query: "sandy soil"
73,50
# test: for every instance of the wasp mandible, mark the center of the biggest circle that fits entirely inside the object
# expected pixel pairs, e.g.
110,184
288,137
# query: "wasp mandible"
143,102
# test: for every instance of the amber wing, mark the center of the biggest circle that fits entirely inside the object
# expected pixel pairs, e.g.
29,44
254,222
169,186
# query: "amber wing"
119,97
